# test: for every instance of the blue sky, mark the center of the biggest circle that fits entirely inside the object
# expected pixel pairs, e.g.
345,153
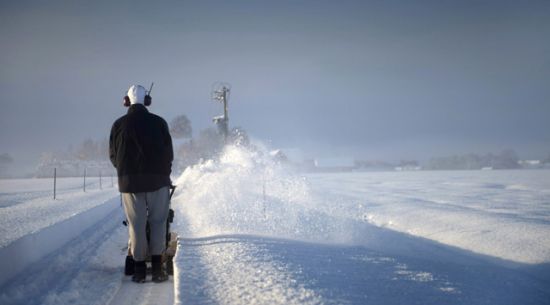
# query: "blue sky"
368,79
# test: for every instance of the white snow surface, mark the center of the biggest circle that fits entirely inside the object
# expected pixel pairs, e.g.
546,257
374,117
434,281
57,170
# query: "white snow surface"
28,206
504,214
251,231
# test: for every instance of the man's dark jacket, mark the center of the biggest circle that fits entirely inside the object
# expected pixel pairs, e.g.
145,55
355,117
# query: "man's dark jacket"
140,147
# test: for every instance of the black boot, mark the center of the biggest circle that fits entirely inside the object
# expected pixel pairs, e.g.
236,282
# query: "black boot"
129,265
159,274
139,272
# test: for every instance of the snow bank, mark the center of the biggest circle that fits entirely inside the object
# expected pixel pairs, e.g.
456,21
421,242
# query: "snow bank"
29,249
27,206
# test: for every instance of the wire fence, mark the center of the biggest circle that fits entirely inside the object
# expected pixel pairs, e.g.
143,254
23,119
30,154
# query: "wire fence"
99,181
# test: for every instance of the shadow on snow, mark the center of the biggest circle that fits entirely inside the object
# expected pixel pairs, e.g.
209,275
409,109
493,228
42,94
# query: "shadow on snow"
387,268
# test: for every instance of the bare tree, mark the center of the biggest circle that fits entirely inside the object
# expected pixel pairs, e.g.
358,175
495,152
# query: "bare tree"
5,159
180,127
87,150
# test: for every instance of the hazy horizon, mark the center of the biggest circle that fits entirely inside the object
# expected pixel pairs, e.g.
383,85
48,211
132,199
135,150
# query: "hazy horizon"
372,79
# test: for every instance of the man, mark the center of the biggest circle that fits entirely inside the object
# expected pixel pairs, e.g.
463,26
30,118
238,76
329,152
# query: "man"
140,148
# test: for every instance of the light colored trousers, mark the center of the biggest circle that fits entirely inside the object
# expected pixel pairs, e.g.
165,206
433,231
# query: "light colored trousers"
143,207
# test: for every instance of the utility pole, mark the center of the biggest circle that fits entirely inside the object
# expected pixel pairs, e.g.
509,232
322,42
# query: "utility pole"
54,182
220,93
84,184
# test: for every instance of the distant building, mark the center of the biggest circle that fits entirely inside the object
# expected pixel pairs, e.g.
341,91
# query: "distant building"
364,165
334,165
531,164
407,168
279,156
408,165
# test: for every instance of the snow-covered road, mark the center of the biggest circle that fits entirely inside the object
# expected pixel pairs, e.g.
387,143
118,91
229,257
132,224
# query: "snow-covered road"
251,232
26,208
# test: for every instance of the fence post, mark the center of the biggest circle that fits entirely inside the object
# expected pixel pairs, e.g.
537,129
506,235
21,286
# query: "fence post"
112,183
54,181
264,197
84,185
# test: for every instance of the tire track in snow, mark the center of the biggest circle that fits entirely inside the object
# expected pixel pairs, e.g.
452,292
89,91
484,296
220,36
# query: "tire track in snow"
88,270
35,215
33,247
81,272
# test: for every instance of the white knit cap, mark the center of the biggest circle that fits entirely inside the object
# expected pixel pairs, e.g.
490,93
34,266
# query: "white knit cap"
136,93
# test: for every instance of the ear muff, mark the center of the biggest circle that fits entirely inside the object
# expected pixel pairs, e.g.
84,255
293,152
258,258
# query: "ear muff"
126,101
147,100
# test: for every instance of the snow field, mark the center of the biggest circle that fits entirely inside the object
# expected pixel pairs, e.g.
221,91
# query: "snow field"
483,212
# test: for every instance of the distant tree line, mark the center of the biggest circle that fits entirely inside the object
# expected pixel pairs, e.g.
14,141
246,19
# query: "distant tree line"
90,155
180,127
87,150
6,160
507,159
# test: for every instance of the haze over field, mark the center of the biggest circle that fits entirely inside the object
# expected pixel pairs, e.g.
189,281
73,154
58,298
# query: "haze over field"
369,79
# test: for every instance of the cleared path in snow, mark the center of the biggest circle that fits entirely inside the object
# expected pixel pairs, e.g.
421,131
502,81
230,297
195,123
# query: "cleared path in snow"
148,293
236,270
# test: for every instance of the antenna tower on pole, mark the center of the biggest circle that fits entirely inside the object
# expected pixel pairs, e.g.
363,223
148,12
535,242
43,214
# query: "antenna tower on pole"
220,93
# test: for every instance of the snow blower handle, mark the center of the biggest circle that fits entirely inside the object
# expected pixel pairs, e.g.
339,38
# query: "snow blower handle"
172,190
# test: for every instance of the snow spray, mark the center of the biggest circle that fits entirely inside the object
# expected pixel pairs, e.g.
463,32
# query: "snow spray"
245,191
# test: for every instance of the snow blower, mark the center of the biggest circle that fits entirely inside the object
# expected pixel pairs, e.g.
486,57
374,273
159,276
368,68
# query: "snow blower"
171,244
